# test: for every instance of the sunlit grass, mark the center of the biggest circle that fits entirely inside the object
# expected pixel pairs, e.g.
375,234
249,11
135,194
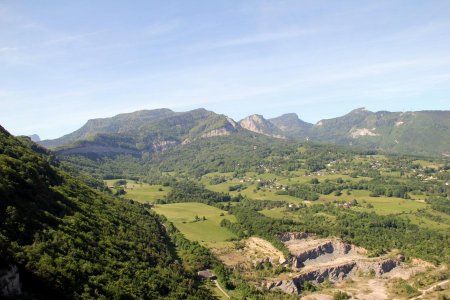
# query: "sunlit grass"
182,215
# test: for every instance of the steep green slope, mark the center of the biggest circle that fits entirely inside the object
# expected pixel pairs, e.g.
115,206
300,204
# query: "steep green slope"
222,153
421,132
291,126
138,133
240,152
119,124
72,242
135,135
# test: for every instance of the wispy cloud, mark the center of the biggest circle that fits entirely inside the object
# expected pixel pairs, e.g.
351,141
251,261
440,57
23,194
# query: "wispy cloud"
161,28
257,38
6,49
69,38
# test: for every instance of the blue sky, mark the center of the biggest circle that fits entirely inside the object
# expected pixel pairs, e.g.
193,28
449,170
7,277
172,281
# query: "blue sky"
64,62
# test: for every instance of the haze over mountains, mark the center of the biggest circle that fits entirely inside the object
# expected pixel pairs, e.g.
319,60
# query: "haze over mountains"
420,132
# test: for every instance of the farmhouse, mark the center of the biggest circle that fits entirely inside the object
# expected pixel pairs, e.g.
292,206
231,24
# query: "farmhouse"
206,275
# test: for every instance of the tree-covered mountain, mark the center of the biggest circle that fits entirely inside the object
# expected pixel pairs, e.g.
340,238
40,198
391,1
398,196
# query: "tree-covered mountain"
60,239
421,132
291,126
35,138
119,124
143,131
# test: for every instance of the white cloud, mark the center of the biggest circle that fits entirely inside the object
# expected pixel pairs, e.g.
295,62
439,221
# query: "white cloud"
257,38
161,28
7,49
69,38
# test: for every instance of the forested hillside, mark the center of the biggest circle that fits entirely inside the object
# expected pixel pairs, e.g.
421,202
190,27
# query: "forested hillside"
69,241
420,132
152,131
238,153
143,132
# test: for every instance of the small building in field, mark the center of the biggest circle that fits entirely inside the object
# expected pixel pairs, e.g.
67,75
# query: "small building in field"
206,275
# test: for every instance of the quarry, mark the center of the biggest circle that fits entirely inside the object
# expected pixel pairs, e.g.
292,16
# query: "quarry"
319,261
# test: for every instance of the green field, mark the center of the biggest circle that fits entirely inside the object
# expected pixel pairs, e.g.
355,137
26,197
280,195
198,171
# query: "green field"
281,213
208,231
278,213
141,192
389,205
146,193
251,179
268,194
381,205
427,164
221,187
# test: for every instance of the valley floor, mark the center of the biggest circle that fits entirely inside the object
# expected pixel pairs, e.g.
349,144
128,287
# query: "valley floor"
266,267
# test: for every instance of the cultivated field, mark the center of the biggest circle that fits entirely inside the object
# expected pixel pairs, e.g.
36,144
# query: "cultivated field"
141,192
183,216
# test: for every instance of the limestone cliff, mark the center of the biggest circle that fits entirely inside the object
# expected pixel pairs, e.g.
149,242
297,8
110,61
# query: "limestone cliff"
258,124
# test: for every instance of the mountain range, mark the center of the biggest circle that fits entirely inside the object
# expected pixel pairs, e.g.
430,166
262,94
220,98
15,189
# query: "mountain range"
420,132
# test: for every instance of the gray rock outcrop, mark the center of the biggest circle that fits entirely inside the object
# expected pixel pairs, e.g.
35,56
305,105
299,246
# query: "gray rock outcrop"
10,285
322,253
317,259
332,273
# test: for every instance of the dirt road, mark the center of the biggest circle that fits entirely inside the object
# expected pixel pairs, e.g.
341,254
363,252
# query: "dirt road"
430,289
220,288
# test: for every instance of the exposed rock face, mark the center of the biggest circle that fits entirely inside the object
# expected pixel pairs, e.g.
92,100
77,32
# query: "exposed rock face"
380,267
356,133
222,131
232,123
332,273
293,236
35,138
287,286
162,145
258,124
228,128
317,260
217,132
10,285
322,253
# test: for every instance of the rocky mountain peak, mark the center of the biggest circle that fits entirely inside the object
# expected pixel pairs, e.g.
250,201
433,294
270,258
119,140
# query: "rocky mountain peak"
292,126
360,110
35,138
257,123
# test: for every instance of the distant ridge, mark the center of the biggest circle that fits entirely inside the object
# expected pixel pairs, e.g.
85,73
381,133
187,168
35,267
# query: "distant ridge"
420,132
143,131
118,124
35,138
292,126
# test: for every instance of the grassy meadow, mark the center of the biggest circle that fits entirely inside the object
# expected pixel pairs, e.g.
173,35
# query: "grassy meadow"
209,231
183,216
141,192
